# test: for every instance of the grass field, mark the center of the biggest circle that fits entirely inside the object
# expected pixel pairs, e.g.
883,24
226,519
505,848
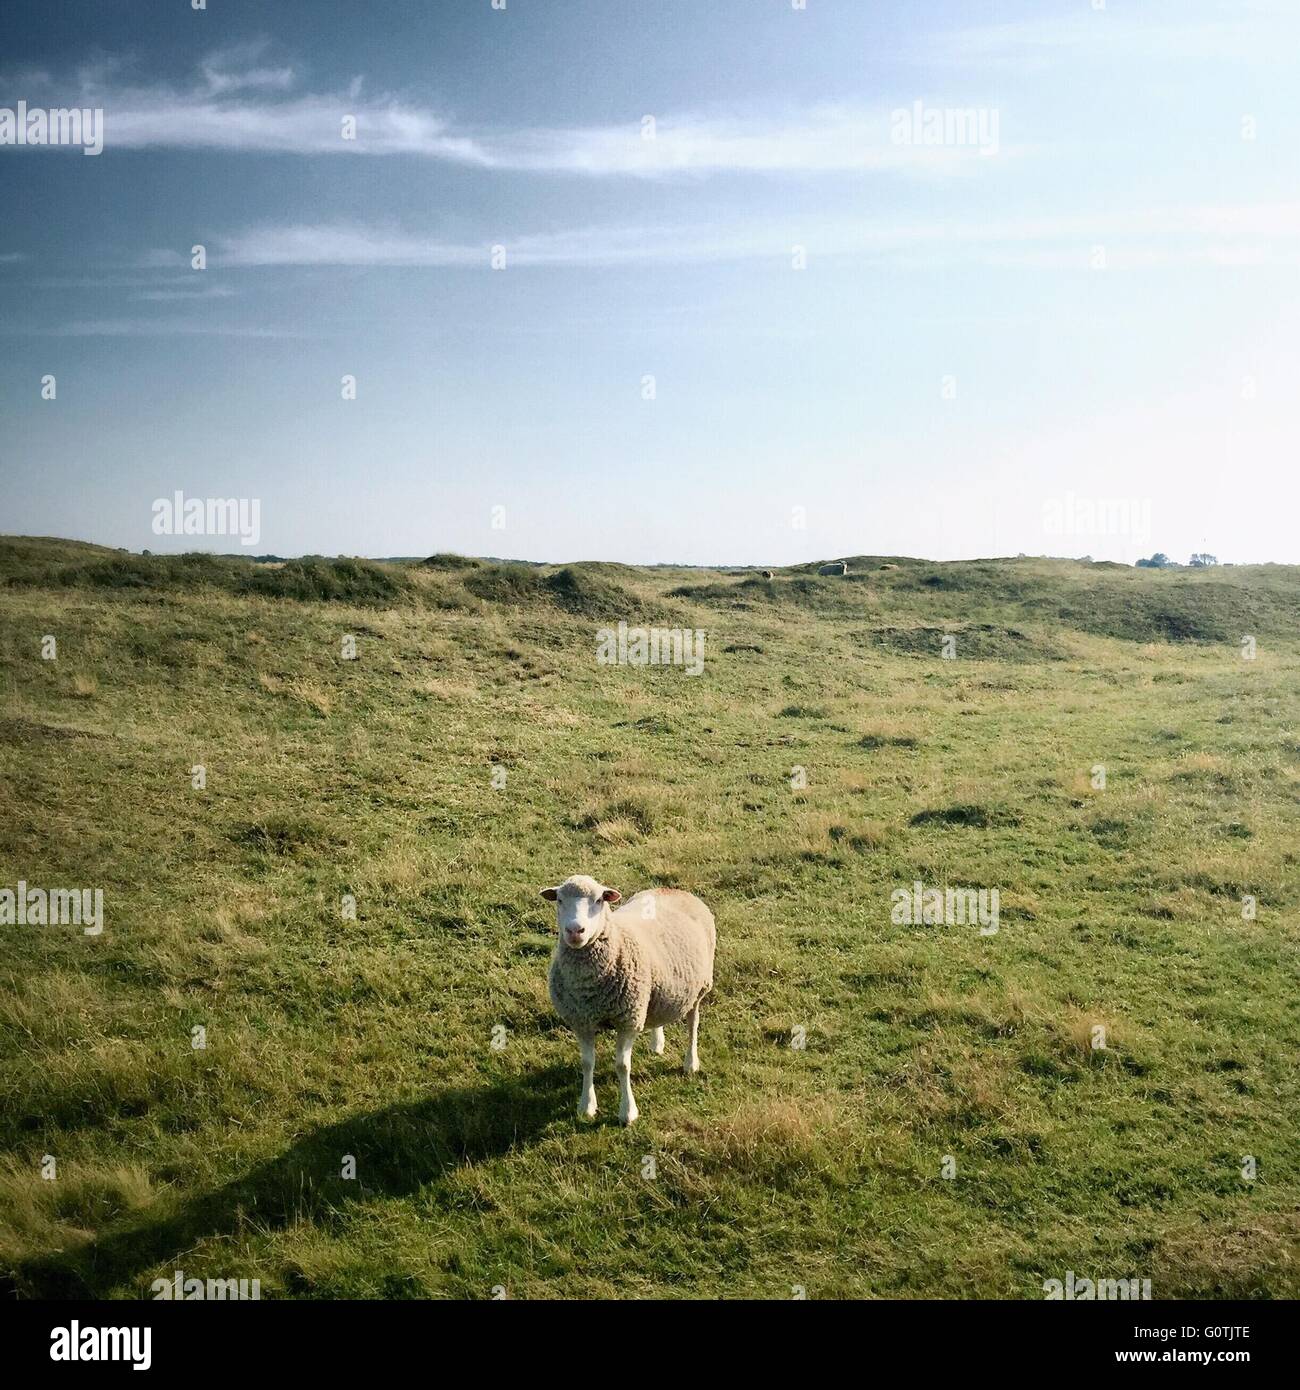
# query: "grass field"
475,751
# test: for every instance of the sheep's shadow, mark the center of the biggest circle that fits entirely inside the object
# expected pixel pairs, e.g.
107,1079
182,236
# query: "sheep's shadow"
398,1150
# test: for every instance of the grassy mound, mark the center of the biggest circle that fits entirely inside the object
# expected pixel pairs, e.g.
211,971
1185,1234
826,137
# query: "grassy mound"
820,594
1187,612
319,579
975,642
26,560
1105,599
447,560
573,589
314,578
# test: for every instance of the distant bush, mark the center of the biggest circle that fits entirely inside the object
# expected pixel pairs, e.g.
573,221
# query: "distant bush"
319,579
804,592
572,589
577,592
446,560
125,571
313,578
505,583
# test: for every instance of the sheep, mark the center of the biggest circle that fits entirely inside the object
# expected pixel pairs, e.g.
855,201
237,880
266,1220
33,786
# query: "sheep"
767,574
645,965
836,567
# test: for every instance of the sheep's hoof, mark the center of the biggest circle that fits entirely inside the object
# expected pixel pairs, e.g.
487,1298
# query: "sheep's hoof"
587,1109
628,1117
691,1066
657,1042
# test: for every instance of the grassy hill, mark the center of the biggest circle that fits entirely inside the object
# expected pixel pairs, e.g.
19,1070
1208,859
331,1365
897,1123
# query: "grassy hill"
819,1166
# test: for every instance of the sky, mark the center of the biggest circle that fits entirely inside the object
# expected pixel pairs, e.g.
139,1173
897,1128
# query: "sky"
690,281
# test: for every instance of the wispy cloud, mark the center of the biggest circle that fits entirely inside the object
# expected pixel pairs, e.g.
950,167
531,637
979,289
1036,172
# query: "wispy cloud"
131,280
151,328
353,245
1209,30
240,101
826,138
235,69
1224,235
161,296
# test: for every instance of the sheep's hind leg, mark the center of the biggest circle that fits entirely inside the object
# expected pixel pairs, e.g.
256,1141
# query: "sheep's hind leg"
657,1041
627,1111
692,1063
587,1100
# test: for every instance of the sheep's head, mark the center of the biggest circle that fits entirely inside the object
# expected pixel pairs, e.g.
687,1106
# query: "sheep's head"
581,907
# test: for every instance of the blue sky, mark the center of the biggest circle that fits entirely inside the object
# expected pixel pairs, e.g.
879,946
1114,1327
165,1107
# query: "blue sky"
1090,303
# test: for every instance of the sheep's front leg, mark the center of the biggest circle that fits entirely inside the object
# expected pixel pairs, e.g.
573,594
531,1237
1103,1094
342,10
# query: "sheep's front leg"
692,1062
587,1100
627,1111
657,1041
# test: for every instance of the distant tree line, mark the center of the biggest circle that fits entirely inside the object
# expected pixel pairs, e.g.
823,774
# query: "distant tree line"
1160,561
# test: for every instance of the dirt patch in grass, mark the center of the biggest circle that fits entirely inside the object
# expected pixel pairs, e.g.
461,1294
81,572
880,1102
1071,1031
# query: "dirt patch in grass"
978,817
280,836
874,741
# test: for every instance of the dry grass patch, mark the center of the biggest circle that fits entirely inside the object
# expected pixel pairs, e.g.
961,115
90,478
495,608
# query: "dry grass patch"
952,1085
827,832
1254,1257
48,1213
777,1138
617,832
1088,1035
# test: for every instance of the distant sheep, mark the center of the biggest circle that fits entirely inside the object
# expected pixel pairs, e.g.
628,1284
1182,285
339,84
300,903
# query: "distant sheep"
837,567
767,574
647,964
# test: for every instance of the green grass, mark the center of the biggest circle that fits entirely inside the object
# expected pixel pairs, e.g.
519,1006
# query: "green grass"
779,1166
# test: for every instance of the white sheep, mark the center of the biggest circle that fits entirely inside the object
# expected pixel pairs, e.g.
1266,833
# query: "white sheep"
835,567
647,964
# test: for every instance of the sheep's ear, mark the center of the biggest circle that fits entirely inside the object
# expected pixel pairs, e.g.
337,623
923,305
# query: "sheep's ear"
612,895
550,894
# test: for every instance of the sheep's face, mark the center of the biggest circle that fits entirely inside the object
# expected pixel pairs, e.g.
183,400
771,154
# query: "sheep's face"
581,907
